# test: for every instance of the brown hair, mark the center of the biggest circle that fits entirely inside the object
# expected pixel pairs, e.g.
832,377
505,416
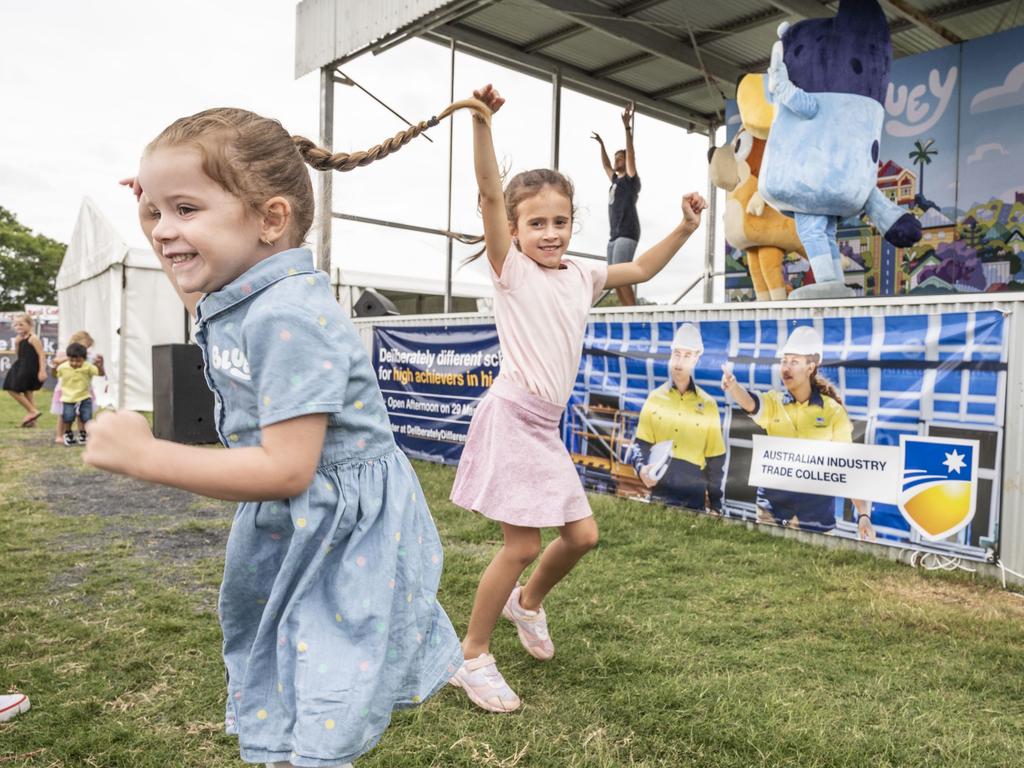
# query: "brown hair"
527,184
823,385
255,158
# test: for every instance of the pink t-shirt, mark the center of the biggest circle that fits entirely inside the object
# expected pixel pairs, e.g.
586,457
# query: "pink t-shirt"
541,316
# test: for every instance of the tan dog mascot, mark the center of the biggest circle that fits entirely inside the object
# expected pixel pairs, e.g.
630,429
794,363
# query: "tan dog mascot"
750,223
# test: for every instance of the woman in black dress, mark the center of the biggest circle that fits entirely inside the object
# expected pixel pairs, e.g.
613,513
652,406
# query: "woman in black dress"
28,372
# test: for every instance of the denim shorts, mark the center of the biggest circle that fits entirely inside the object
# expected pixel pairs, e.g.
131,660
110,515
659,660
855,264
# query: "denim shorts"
83,408
621,250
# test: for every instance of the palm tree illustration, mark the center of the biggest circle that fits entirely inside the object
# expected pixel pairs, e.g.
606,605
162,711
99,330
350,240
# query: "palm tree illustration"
922,155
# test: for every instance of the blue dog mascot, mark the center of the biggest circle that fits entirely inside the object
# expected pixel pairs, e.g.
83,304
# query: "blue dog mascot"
828,79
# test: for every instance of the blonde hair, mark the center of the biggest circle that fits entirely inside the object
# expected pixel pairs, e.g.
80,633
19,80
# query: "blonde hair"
81,337
26,317
528,184
254,158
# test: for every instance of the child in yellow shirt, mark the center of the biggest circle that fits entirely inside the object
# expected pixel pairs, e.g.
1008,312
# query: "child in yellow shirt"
75,375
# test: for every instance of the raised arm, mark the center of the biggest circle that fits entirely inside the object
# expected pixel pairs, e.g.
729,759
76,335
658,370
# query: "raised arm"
652,261
627,122
605,162
738,392
497,238
784,91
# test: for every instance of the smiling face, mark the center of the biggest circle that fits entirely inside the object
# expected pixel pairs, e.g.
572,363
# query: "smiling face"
543,226
209,236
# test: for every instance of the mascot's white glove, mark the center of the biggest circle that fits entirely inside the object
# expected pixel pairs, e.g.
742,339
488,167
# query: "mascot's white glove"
782,89
777,71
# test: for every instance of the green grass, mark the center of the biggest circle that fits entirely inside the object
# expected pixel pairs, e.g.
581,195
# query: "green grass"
682,641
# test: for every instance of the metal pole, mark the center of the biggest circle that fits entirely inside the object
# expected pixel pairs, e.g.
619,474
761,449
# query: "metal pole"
709,248
325,179
556,115
451,146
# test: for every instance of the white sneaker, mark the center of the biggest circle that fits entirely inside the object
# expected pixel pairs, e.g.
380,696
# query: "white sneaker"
484,685
532,626
12,704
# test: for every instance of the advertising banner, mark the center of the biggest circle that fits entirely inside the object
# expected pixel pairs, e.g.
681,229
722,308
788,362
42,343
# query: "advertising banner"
431,379
887,428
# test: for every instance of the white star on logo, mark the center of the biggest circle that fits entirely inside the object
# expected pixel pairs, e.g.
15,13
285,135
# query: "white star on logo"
954,462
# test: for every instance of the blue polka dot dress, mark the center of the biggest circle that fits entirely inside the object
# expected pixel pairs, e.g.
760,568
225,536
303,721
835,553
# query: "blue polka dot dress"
328,604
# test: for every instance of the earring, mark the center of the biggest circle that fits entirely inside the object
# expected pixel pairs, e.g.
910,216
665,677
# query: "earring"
266,242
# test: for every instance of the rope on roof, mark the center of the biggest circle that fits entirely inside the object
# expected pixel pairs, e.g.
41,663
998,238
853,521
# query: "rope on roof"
704,70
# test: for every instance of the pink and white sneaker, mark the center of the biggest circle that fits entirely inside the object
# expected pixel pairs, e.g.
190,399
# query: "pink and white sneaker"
484,685
12,704
532,626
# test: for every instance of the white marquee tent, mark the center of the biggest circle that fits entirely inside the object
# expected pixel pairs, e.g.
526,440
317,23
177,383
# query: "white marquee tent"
121,297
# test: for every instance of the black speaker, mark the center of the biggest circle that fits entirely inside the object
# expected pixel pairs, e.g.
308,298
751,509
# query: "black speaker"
372,304
182,403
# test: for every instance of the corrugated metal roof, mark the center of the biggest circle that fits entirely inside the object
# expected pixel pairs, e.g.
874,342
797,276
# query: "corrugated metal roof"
631,49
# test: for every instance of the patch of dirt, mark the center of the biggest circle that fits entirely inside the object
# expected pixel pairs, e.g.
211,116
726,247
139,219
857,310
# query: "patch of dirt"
81,492
168,528
982,601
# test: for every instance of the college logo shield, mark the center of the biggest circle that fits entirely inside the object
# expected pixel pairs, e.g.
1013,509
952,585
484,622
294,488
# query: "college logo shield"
938,484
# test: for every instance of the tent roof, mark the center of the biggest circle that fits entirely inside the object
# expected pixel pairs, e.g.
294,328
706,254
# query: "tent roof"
677,59
96,246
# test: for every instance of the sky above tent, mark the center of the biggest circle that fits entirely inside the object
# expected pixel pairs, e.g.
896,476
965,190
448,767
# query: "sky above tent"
87,85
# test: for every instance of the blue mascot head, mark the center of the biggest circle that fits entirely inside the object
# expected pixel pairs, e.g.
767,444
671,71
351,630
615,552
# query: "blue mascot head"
849,53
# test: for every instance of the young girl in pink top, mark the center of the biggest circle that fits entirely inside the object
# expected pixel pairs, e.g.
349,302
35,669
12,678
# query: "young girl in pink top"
515,468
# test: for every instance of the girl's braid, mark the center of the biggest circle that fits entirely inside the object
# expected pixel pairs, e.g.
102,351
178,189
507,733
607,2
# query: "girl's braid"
323,160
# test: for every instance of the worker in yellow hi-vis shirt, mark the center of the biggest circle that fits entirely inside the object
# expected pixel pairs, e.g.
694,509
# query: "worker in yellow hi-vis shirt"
678,451
809,409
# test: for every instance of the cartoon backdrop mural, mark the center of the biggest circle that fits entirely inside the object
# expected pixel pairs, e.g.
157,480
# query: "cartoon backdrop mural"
953,153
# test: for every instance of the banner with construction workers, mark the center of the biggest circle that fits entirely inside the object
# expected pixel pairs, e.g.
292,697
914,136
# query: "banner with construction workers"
883,427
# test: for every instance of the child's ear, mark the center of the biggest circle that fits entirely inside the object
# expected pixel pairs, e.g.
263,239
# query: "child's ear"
277,217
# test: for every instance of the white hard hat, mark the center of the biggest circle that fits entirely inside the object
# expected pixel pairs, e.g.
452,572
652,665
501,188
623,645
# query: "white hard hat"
803,340
688,337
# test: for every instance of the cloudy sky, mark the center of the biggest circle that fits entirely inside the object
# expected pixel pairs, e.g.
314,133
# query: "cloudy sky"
87,85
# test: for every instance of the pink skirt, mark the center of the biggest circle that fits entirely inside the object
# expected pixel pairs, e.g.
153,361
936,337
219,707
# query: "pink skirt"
514,466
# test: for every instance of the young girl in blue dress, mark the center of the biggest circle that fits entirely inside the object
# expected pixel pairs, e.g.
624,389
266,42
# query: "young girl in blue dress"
328,603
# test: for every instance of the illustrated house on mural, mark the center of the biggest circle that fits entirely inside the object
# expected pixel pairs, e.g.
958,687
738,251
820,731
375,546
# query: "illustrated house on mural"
1015,240
931,260
937,228
897,183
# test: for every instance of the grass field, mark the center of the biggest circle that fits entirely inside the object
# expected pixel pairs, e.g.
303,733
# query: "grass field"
682,641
